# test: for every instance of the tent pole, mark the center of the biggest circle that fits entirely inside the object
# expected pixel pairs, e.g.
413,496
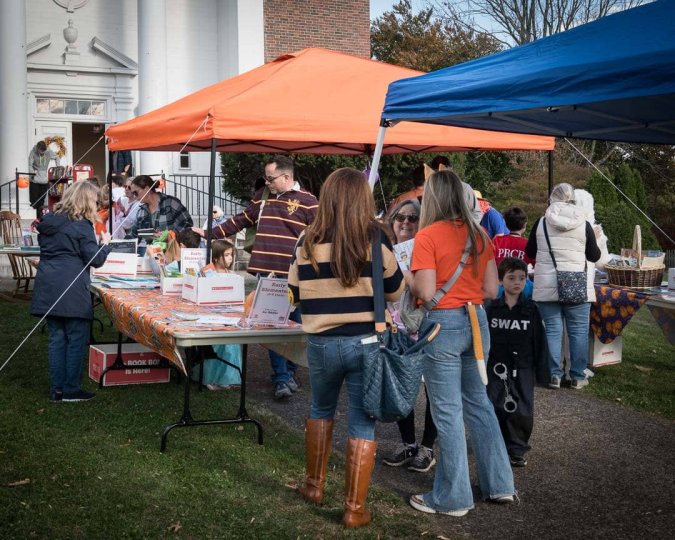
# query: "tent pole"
375,164
550,171
212,190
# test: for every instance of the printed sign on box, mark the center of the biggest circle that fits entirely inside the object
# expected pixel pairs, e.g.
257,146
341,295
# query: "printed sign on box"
119,264
136,357
220,289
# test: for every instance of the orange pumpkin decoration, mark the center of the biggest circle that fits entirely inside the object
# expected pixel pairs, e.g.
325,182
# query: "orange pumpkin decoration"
22,182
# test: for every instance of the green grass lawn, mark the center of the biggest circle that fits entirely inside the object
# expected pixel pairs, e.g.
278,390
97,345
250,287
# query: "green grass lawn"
645,379
93,470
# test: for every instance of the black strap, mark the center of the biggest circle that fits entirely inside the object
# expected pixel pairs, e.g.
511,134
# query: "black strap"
548,242
378,278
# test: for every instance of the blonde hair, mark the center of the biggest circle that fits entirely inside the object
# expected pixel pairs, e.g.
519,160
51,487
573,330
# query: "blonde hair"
444,199
79,201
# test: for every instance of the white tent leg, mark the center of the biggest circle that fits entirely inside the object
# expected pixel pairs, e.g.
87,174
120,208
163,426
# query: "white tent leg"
376,157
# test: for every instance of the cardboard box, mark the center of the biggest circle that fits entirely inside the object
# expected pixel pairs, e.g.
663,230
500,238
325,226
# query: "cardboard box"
120,264
603,354
221,289
171,286
136,357
143,265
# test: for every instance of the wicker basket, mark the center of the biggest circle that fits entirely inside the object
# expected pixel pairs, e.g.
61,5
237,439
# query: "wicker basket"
640,277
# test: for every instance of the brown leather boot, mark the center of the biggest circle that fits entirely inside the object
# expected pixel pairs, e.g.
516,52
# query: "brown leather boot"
318,438
360,463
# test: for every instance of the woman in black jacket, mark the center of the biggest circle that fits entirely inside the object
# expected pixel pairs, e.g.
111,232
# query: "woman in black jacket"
68,247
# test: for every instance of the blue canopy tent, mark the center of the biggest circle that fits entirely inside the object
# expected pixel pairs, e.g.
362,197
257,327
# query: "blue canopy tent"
611,79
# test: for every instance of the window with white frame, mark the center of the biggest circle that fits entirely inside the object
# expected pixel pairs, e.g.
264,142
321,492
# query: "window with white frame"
81,107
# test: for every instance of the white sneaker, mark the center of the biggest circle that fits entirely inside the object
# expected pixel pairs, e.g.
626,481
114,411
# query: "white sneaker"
417,502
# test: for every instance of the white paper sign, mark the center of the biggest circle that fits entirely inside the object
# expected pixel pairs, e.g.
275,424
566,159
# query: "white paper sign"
403,253
270,306
193,258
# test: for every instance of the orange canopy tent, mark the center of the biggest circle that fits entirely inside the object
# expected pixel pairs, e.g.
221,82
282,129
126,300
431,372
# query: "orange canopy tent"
312,101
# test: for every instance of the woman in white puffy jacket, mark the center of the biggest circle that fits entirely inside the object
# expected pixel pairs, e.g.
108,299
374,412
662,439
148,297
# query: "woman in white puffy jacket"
573,243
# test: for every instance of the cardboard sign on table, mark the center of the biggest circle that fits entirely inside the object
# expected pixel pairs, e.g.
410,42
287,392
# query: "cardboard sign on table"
192,259
270,305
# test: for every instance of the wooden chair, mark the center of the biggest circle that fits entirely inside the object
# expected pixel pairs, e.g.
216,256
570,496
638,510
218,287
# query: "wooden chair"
12,234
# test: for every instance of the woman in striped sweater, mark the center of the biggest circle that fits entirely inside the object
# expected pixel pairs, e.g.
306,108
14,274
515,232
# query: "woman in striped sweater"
331,278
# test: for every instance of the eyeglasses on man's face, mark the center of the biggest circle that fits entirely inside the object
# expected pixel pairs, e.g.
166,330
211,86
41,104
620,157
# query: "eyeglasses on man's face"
270,179
412,218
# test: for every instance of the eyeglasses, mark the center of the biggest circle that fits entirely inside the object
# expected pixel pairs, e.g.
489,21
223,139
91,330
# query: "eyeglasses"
214,212
412,218
270,179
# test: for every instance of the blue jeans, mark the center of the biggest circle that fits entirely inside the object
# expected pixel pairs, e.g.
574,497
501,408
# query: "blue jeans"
458,396
577,320
282,369
68,340
332,360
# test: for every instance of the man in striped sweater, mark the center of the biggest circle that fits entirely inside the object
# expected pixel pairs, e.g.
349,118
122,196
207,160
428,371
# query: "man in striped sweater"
281,210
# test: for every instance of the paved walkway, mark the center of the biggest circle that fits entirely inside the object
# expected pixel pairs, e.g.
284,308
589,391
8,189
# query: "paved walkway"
596,469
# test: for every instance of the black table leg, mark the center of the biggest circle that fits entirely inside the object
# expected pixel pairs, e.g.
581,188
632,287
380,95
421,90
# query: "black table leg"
186,419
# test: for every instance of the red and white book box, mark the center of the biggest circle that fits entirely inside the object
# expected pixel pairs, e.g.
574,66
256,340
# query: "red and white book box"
221,289
119,264
604,354
171,286
136,358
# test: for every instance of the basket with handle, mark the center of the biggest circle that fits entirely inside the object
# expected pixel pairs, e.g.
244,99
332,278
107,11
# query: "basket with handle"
647,274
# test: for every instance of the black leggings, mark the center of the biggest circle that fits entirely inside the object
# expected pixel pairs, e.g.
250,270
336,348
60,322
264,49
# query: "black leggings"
407,427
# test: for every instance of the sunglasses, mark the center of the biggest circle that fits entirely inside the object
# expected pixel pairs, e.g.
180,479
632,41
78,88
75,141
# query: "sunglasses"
413,218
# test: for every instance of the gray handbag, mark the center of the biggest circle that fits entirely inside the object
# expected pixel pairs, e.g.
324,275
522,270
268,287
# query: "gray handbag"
392,366
572,286
411,314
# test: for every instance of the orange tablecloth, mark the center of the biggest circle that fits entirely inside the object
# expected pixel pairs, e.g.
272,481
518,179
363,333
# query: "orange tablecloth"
148,317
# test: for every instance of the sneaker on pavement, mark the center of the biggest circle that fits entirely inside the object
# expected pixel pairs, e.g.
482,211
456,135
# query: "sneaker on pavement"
517,461
417,502
401,456
56,396
293,384
505,499
80,395
282,390
554,383
423,460
578,385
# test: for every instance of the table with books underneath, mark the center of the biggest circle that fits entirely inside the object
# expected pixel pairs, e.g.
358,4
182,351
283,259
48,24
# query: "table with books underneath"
178,330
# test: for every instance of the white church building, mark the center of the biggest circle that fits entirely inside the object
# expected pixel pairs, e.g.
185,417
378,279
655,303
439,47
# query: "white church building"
71,68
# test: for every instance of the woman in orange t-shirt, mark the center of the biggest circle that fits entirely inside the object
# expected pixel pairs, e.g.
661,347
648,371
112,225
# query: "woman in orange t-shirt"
451,374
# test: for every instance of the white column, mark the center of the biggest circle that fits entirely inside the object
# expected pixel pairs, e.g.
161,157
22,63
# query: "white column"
241,36
14,143
152,74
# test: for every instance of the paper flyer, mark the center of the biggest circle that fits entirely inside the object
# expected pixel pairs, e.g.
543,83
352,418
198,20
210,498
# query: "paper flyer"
403,253
270,306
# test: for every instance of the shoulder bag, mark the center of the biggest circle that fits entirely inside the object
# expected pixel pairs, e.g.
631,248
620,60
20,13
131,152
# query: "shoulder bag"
392,364
572,286
249,238
411,314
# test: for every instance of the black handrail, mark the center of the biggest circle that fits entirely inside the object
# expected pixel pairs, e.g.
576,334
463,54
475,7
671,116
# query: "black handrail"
193,192
12,188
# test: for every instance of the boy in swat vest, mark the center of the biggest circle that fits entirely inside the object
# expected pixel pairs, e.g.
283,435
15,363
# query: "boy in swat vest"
517,355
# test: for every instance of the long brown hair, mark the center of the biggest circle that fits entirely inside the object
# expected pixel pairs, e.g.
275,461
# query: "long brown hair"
444,199
345,218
